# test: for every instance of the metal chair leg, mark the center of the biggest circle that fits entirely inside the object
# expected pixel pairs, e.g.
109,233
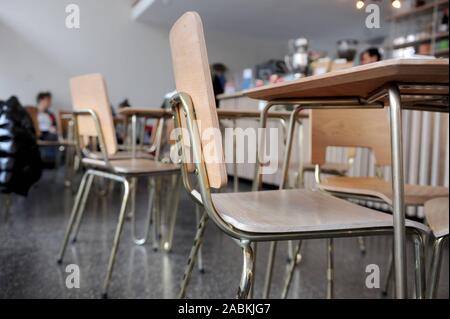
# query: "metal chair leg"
290,249
69,166
73,216
82,207
435,267
112,258
133,186
247,270
151,198
291,253
330,268
390,273
269,269
255,249
157,215
419,263
291,270
172,212
193,255
235,164
201,269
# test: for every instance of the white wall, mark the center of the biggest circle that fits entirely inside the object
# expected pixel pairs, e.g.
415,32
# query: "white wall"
37,51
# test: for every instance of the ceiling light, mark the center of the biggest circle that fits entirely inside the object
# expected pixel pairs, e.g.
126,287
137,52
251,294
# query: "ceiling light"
359,4
396,4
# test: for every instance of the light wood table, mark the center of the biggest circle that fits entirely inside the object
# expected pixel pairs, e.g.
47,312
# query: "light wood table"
230,114
414,84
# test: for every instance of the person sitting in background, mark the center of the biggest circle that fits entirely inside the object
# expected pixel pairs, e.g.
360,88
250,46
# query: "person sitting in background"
370,55
47,126
46,119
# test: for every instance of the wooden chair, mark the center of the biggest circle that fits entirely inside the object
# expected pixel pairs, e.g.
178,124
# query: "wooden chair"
436,213
93,118
254,216
367,129
361,128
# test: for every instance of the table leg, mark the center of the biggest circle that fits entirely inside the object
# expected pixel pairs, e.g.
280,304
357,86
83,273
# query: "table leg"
398,192
235,165
260,149
133,135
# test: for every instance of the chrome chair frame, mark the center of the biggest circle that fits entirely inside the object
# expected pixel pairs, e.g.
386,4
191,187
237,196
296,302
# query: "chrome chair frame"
435,267
257,181
154,213
183,108
393,93
83,191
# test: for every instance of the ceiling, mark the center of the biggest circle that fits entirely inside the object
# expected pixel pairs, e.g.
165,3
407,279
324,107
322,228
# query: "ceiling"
267,18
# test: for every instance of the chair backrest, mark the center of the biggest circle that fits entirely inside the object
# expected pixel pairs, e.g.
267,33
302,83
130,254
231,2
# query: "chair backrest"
367,128
33,113
192,76
89,92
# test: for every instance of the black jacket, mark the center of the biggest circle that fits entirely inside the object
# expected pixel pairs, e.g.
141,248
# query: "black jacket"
20,161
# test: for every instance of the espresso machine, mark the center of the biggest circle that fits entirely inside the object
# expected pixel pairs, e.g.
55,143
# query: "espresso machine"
297,60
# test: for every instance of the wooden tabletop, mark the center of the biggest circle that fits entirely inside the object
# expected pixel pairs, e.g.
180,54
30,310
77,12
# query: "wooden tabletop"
233,95
145,112
242,113
224,114
358,81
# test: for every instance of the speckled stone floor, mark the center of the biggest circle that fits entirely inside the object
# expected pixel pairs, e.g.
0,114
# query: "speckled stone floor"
32,231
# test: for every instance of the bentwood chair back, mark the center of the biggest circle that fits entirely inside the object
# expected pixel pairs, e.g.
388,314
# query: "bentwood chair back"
192,76
89,92
350,128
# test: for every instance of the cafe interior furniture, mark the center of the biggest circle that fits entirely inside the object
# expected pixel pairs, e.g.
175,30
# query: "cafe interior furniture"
398,84
249,217
362,128
329,136
93,118
436,212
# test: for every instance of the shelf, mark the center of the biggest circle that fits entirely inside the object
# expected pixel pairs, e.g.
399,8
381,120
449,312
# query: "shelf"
419,10
438,36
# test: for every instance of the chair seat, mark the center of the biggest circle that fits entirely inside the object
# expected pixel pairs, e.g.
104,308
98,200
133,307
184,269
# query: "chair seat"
329,168
297,210
132,166
121,155
436,213
415,195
